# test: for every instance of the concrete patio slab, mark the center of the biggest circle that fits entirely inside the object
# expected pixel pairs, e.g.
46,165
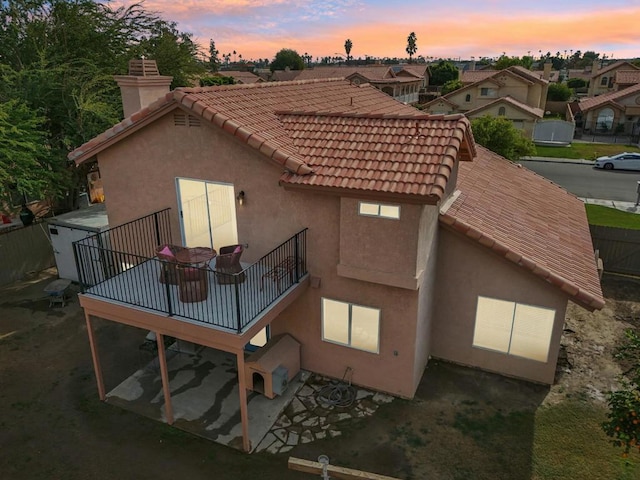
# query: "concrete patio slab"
204,396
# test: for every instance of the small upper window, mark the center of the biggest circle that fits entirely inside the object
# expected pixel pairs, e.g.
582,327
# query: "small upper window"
379,210
487,92
467,98
501,111
604,81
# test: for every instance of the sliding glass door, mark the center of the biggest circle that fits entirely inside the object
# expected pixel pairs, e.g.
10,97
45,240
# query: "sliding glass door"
207,213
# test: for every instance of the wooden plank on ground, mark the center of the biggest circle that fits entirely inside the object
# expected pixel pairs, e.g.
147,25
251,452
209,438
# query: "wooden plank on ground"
340,473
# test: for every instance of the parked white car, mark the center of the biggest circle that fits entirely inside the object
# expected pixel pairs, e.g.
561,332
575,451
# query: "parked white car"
621,161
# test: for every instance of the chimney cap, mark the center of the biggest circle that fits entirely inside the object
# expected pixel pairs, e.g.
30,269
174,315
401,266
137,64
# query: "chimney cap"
143,68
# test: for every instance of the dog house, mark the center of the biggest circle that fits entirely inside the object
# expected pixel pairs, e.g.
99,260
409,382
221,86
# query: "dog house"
270,369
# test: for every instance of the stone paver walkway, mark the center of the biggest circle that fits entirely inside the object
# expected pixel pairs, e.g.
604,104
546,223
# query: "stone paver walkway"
308,418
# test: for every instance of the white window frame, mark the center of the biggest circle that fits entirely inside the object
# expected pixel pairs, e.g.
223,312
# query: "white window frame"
349,342
508,333
380,207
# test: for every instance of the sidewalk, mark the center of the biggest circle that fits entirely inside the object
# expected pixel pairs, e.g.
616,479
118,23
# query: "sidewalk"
558,160
625,206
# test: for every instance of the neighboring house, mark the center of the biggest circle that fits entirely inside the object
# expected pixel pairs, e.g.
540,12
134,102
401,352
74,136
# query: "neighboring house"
378,236
521,115
613,112
626,78
241,77
401,82
603,79
516,93
283,75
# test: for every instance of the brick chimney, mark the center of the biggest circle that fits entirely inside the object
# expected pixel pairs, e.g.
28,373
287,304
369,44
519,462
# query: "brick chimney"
546,70
143,85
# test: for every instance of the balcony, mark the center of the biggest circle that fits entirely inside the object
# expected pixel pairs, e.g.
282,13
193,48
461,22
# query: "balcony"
119,265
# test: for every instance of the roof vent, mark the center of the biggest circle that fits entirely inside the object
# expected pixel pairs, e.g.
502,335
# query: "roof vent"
184,120
143,68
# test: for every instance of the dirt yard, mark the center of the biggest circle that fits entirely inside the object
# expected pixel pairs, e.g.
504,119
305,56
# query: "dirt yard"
462,424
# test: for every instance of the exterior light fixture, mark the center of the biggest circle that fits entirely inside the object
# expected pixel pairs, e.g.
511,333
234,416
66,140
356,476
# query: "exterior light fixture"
240,197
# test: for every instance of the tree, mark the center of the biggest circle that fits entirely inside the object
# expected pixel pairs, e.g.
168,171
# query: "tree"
450,86
558,92
24,158
347,48
216,80
287,58
412,45
58,58
576,83
506,62
442,73
623,419
214,61
500,136
175,53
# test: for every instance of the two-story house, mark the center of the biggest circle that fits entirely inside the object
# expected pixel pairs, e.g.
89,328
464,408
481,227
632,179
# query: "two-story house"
515,93
613,112
401,82
603,79
374,235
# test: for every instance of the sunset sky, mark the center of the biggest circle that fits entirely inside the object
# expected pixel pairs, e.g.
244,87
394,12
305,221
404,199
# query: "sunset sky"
464,28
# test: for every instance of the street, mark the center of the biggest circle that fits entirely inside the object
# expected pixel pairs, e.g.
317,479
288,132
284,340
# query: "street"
585,181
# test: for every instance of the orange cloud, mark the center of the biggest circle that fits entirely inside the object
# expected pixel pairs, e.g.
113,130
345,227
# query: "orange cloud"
259,28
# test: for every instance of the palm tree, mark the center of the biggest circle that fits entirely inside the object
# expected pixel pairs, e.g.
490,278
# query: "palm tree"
412,45
347,48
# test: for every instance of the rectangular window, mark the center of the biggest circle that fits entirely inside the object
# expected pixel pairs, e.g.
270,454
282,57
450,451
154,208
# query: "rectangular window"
487,92
351,325
513,328
379,210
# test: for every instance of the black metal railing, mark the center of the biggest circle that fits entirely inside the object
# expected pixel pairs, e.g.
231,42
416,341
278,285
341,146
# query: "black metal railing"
120,264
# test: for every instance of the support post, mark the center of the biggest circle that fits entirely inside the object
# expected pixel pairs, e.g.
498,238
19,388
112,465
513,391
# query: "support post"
95,357
244,412
164,373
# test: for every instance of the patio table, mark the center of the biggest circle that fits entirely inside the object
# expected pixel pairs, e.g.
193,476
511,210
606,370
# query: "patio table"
196,256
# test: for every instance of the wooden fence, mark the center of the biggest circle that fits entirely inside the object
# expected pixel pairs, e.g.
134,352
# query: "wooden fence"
24,250
619,248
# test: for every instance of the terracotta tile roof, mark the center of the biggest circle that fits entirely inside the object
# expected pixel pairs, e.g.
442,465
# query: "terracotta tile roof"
241,76
417,70
615,65
285,75
528,220
591,102
627,77
527,74
371,72
408,155
473,76
248,112
533,111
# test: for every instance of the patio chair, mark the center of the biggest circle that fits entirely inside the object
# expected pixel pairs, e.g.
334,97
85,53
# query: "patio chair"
228,264
167,254
193,284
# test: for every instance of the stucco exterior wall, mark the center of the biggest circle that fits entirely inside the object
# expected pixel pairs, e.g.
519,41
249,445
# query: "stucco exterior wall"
427,260
511,113
139,176
466,270
533,95
381,250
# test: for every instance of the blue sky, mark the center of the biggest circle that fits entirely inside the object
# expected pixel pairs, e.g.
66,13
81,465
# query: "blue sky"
259,28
